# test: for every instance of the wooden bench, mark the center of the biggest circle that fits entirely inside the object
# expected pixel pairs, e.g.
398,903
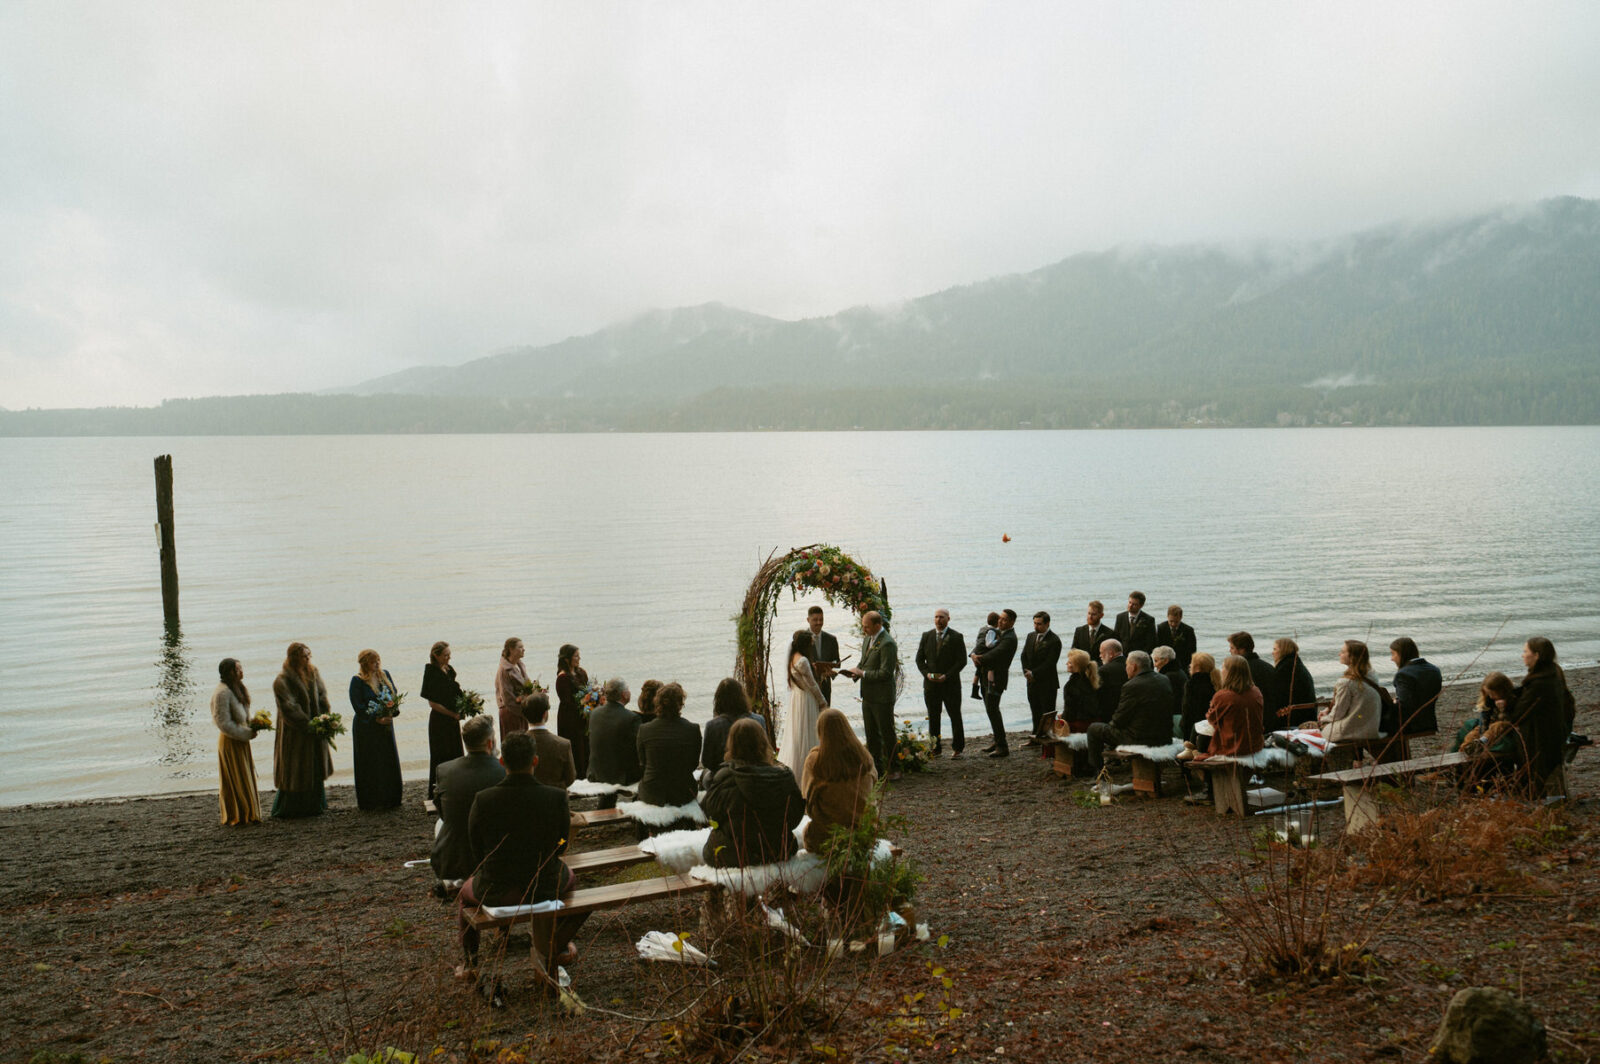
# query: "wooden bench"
1146,772
1360,803
1068,762
589,900
593,818
607,860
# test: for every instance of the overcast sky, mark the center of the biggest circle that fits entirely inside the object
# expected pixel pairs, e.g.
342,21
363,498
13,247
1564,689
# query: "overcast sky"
217,198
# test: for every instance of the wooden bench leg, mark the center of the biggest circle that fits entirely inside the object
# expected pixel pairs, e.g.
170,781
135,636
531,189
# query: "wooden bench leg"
1227,790
1146,776
1360,808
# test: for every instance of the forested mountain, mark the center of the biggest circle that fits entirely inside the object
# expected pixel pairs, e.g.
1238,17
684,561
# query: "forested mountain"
1489,320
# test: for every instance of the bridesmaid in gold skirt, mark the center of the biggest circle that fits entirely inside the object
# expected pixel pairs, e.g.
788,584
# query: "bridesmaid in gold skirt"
230,709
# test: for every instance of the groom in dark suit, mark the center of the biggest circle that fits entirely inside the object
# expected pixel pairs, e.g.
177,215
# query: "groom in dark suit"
1040,654
941,656
824,653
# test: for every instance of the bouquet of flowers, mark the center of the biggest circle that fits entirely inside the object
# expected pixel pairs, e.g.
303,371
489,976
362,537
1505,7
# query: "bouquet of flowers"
261,721
534,687
326,726
912,748
468,704
589,698
392,709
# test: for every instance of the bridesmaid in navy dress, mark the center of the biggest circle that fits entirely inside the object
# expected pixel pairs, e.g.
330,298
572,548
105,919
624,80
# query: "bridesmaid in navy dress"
372,697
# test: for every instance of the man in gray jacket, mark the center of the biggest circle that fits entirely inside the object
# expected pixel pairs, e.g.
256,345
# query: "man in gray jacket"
878,675
456,785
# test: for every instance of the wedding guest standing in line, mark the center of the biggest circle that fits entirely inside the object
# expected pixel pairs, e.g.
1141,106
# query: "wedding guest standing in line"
1136,629
236,769
1089,636
440,688
1040,654
1173,633
373,698
837,780
728,707
1293,681
941,655
1356,703
301,761
1545,712
570,722
509,681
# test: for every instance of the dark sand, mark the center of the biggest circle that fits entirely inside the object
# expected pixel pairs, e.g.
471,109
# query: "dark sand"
143,930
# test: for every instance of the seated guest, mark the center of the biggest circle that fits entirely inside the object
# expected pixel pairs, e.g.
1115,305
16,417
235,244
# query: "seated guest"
1204,680
1356,704
753,801
728,706
1294,682
1490,729
1165,660
669,752
1144,712
613,740
1113,674
1244,645
1235,712
458,782
1080,695
1173,633
556,767
1416,688
647,700
518,830
837,780
1544,713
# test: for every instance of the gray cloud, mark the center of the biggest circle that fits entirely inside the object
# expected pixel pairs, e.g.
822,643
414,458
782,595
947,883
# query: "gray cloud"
203,198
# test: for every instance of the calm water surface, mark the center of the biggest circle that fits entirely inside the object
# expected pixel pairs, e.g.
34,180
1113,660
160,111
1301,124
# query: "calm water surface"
639,549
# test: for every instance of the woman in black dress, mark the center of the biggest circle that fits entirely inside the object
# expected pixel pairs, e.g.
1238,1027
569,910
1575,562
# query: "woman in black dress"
1294,684
377,759
1204,681
439,687
1544,713
570,722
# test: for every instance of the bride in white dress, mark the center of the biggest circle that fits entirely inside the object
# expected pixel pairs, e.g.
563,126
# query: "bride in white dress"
805,704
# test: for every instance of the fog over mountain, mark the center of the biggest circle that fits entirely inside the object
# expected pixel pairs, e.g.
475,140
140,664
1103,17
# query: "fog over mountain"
1490,319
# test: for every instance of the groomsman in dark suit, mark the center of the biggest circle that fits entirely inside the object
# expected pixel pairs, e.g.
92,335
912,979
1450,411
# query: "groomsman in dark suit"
1088,637
1136,629
941,656
994,664
824,653
1173,633
1040,653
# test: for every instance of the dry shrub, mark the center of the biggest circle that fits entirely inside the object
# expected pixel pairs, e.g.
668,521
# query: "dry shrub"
1469,844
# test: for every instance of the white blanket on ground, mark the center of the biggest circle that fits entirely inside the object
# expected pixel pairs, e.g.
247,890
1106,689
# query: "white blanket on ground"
659,816
1165,753
594,789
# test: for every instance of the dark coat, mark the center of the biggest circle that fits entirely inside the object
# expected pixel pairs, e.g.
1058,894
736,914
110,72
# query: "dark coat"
755,809
1080,701
458,783
997,659
1040,654
1237,720
1266,678
936,657
1197,695
825,647
1144,710
669,751
1181,639
1544,714
715,746
518,829
1089,641
614,744
555,767
1293,681
1136,635
1113,674
1178,677
1416,689
300,760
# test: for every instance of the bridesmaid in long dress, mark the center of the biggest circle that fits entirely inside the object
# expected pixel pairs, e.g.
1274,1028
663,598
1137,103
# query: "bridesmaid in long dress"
806,703
570,723
377,759
230,710
441,690
509,680
301,761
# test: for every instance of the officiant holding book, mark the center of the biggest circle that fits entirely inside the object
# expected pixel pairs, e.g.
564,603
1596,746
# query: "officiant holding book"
877,674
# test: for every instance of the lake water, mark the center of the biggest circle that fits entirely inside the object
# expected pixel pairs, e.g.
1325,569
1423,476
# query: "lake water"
639,549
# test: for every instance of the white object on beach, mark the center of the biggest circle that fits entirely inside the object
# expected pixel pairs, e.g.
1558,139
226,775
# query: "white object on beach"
506,912
660,946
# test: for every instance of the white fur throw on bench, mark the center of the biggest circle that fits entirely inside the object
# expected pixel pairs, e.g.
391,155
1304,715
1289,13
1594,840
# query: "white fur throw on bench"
660,816
1161,754
594,789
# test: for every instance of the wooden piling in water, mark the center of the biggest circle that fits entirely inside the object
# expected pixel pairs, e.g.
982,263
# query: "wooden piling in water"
169,544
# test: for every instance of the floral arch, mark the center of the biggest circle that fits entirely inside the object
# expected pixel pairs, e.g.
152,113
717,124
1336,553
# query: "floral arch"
820,567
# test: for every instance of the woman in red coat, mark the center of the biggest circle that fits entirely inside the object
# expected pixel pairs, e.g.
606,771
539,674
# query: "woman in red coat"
1236,711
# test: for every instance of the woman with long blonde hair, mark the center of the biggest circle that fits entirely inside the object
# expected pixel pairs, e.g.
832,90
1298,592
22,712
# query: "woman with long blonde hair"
301,761
837,780
1080,705
1356,703
374,700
